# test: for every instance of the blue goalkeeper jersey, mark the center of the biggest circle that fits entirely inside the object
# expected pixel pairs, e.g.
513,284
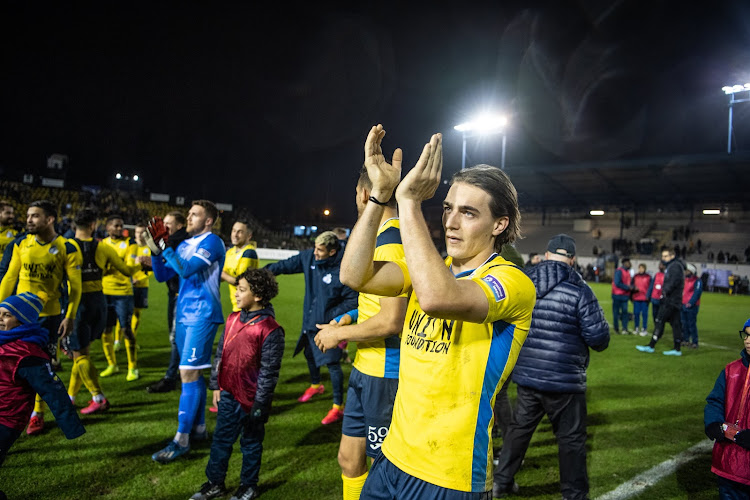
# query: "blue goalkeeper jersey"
198,262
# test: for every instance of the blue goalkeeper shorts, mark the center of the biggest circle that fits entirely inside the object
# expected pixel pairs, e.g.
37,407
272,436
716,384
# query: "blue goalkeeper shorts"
195,343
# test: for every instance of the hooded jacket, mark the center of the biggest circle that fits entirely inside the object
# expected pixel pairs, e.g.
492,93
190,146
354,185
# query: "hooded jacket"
674,282
566,322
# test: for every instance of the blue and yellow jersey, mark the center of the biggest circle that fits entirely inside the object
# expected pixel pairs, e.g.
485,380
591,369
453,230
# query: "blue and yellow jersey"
450,372
379,358
114,282
7,235
96,259
44,267
140,278
238,260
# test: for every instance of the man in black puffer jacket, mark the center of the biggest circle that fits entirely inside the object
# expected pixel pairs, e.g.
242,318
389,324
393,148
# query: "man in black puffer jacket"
551,370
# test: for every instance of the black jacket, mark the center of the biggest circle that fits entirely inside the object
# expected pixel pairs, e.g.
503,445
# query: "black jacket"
566,321
173,284
674,282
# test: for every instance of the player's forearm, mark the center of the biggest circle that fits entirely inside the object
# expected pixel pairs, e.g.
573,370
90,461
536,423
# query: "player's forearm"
162,272
11,277
225,276
372,329
432,281
184,268
74,299
357,263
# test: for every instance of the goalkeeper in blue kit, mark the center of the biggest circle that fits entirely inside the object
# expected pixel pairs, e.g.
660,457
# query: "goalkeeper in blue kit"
198,262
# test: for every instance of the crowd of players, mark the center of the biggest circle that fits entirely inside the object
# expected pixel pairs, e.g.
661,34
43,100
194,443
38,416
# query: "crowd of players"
437,338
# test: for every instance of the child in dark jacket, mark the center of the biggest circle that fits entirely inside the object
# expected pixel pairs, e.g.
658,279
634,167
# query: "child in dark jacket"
727,420
25,371
243,378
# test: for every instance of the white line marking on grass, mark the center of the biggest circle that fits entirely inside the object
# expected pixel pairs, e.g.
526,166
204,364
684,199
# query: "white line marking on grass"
652,476
714,346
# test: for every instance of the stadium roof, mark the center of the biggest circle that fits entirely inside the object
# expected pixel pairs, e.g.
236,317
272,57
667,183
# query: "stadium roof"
674,181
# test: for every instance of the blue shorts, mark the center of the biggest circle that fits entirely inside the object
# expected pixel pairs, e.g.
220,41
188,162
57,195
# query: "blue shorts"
195,343
368,410
90,321
52,324
385,481
140,297
119,308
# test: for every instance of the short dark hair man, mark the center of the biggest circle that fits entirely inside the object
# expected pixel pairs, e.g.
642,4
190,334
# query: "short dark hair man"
551,369
671,304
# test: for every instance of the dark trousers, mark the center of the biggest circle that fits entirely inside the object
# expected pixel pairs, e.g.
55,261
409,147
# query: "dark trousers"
567,412
8,436
232,422
173,370
655,308
668,314
731,490
503,411
689,320
334,370
620,311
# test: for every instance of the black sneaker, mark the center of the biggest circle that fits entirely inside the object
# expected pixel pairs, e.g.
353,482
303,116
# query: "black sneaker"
209,490
163,385
244,492
502,492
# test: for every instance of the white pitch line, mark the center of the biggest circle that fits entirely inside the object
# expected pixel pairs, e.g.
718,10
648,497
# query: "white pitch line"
714,346
655,474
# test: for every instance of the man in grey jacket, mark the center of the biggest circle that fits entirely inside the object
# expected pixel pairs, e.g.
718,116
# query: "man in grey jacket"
551,370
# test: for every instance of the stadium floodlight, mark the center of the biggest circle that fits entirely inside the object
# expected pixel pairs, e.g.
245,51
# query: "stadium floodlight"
118,175
136,178
596,212
711,211
731,90
326,212
484,124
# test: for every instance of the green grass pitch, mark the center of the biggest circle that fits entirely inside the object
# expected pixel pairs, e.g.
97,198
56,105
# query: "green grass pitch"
643,409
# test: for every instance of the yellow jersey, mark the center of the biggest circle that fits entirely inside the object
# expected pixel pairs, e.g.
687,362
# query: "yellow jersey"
237,261
44,267
7,235
113,281
450,373
380,358
140,278
96,258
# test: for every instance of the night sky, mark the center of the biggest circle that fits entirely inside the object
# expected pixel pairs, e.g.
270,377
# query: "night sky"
269,105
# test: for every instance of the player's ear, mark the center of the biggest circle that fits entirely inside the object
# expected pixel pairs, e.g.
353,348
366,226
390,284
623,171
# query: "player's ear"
501,223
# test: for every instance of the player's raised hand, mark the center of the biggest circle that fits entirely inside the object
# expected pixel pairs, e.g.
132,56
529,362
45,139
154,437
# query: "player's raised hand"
423,180
383,175
157,235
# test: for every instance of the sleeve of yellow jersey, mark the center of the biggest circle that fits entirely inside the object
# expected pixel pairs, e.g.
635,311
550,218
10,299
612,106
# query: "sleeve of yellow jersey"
11,276
249,260
406,289
510,294
73,263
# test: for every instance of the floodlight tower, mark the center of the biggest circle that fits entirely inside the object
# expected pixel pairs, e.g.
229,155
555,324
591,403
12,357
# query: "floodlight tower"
485,124
731,91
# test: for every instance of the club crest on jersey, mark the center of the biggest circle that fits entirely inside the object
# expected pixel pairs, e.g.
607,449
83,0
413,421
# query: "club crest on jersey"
497,288
9,234
327,279
53,250
123,245
203,253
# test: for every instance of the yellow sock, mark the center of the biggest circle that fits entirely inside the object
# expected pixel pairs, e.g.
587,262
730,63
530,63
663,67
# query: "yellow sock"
88,373
75,380
338,407
315,386
353,486
132,354
38,404
118,333
109,348
136,321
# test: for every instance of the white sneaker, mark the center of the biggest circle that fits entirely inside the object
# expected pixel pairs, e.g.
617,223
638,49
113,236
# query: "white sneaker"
644,333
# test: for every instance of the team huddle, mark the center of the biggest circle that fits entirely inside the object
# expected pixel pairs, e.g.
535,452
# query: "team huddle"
437,338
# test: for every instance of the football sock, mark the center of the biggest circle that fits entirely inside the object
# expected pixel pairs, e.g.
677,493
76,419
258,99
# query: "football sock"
188,409
136,321
75,380
353,486
118,333
200,411
88,374
338,407
99,397
108,348
132,354
315,386
38,405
